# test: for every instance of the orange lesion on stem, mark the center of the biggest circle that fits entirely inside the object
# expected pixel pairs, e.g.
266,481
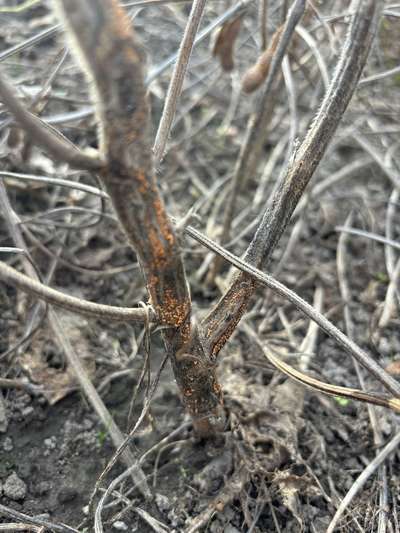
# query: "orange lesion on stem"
114,60
120,23
163,222
142,180
157,248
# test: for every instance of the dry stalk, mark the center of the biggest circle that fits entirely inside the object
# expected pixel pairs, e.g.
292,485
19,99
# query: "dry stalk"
42,134
178,76
223,318
263,16
330,329
344,285
77,305
107,49
38,522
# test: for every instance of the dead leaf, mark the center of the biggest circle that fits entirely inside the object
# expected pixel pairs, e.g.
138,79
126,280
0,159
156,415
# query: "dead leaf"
289,486
58,383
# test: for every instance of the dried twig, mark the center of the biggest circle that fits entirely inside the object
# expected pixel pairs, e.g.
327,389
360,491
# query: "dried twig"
349,325
369,235
62,528
77,305
71,357
232,487
321,386
330,329
178,76
42,134
263,16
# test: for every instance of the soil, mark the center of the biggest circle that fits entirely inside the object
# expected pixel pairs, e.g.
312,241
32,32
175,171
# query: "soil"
287,455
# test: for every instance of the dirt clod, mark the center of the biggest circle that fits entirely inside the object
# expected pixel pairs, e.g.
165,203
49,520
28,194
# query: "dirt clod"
14,488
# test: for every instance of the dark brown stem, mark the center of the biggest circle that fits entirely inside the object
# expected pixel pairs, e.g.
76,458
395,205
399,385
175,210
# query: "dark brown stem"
105,44
222,320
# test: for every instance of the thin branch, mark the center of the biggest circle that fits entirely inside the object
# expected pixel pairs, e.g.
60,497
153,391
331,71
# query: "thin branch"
54,181
222,320
123,114
76,305
379,76
345,291
88,111
177,79
369,235
37,38
344,287
43,135
229,14
392,265
263,16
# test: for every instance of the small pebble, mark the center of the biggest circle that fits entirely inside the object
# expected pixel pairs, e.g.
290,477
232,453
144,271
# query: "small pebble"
14,488
8,445
120,526
163,503
50,443
27,411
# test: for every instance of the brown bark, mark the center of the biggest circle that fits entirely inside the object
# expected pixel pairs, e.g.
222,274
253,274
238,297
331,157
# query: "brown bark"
104,42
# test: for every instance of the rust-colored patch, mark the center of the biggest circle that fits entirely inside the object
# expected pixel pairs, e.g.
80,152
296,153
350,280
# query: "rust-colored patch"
140,177
174,312
157,248
163,222
120,23
217,388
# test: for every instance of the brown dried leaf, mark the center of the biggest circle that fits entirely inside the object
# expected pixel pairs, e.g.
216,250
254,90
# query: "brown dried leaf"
58,383
289,487
225,41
